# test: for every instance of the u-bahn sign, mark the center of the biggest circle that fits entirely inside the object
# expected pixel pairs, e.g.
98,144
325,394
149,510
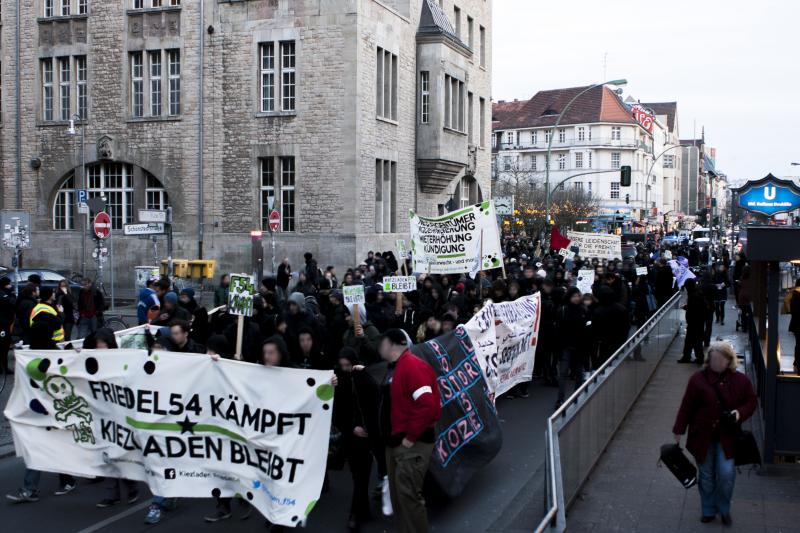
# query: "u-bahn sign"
769,196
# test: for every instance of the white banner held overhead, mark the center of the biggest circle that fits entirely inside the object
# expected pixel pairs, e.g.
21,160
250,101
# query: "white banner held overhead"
505,336
460,242
353,294
186,425
600,245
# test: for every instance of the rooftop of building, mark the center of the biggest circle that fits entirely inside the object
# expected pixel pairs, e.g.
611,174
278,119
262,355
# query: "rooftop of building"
670,109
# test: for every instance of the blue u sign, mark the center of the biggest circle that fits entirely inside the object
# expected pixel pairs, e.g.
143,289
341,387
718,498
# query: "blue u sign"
769,196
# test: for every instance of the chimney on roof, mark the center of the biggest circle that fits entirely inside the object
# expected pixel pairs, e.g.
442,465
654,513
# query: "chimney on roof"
501,102
516,100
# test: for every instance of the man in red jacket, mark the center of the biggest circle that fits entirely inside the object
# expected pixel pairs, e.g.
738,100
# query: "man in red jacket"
415,408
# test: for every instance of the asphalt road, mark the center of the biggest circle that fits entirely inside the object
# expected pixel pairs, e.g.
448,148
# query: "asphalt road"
507,495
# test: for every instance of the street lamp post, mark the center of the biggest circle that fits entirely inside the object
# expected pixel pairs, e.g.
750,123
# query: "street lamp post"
553,129
82,185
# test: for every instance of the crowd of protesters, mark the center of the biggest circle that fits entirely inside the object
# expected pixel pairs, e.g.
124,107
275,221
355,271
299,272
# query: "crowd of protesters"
300,320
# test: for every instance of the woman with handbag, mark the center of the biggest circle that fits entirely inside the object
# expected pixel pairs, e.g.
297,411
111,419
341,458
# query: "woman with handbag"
717,400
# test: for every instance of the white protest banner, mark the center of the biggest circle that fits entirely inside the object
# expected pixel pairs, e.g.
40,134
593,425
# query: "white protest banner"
184,424
454,243
641,271
240,295
399,284
504,336
353,294
600,245
585,281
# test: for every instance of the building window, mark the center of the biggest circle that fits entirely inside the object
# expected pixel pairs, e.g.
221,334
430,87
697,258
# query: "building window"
454,96
64,87
589,137
615,160
155,195
580,133
590,188
470,113
113,180
48,8
65,8
562,161
578,159
424,96
589,160
578,185
145,4
137,85
534,138
616,133
483,46
547,137
614,190
156,96
669,161
562,136
174,65
467,192
483,121
63,217
47,89
507,162
83,95
267,74
386,85
82,7
288,75
385,196
457,20
284,189
471,33
533,162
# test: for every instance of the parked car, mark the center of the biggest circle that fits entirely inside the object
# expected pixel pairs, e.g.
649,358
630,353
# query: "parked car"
50,278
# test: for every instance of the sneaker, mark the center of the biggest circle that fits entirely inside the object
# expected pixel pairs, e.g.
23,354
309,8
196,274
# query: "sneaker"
218,516
107,502
65,489
133,496
24,496
153,514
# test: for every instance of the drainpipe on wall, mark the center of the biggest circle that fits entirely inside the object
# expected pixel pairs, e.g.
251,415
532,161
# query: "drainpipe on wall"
201,110
18,106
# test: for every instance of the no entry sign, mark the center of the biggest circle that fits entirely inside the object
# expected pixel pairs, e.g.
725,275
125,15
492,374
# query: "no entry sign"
274,220
102,225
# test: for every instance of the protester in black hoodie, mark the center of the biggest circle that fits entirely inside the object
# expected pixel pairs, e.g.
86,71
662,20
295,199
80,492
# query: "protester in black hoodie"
610,326
695,308
573,328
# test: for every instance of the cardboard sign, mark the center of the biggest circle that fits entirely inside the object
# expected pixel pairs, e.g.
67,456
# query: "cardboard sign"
185,425
400,284
353,294
641,271
240,295
600,245
585,281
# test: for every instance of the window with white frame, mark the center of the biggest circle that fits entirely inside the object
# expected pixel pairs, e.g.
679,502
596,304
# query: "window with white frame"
148,4
454,100
482,102
266,54
669,161
467,192
63,217
470,121
589,191
614,190
155,194
580,133
562,161
48,8
562,135
149,96
589,133
68,75
615,159
483,45
547,136
510,138
114,181
506,162
578,185
65,8
471,33
385,196
578,159
457,20
424,96
288,79
386,85
278,187
616,133
589,160
533,162
534,138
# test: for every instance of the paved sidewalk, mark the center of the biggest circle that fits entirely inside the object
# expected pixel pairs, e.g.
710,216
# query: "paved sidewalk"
628,491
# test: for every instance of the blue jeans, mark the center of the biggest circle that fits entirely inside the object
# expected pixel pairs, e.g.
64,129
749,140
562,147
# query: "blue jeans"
86,325
32,477
716,480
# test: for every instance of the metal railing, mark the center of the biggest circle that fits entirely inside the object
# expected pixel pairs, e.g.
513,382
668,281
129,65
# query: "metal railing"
579,431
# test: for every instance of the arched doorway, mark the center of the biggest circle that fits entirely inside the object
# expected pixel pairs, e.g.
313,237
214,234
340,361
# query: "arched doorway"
126,188
467,192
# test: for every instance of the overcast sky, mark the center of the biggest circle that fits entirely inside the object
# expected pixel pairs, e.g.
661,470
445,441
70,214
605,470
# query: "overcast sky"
733,66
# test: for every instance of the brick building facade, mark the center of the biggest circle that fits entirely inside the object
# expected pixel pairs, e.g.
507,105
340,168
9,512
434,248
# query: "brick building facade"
344,113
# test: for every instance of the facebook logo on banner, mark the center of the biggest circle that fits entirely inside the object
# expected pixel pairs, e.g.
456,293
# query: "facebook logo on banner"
169,473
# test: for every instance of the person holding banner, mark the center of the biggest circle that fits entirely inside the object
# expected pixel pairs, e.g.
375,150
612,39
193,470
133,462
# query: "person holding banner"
415,409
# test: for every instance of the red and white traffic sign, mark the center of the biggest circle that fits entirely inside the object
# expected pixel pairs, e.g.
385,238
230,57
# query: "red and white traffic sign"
274,220
102,225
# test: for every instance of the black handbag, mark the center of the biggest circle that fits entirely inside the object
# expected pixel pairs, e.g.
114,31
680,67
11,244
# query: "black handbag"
675,460
745,447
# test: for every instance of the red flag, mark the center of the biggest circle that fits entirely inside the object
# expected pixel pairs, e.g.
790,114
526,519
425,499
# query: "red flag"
558,241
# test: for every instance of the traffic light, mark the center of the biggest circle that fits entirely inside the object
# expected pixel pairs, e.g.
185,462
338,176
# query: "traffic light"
627,198
625,176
